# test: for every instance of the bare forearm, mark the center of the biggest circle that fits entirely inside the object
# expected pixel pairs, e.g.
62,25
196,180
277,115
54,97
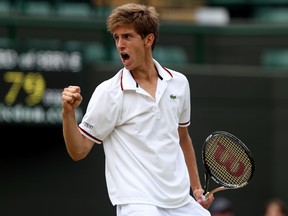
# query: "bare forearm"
77,145
190,159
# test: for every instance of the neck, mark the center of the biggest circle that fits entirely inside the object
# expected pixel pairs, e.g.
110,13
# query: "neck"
147,72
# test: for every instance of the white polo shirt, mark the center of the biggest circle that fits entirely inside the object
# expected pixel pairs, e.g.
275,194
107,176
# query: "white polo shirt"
144,161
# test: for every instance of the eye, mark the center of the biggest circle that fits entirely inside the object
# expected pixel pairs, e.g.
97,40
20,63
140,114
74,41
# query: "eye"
128,36
116,38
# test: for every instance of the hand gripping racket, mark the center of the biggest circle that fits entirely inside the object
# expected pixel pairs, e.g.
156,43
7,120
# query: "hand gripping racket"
227,161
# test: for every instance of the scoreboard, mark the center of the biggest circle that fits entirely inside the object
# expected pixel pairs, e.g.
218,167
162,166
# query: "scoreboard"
31,84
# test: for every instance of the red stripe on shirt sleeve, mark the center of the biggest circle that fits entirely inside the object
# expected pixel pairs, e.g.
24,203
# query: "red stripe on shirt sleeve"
94,139
184,124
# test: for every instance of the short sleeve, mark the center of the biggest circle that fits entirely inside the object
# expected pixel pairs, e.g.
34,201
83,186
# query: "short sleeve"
101,115
185,115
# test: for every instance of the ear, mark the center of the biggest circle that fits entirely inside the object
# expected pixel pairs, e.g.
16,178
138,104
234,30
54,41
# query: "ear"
149,39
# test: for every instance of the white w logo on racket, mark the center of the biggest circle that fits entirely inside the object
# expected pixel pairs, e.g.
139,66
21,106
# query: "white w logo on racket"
228,160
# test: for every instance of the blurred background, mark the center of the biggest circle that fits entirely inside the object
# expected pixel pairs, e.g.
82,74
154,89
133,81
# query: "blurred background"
234,53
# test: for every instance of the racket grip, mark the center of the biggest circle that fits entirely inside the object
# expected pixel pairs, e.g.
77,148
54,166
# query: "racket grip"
204,196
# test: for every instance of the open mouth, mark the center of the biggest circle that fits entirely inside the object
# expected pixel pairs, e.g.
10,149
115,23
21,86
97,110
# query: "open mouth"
125,56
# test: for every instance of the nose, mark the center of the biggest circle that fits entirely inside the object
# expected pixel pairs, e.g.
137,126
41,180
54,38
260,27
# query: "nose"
120,43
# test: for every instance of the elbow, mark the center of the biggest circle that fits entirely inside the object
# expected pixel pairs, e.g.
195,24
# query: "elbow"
79,152
76,156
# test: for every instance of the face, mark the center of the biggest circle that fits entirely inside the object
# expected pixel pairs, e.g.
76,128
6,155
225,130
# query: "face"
132,48
273,210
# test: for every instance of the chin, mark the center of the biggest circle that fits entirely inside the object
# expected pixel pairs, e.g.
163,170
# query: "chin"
128,66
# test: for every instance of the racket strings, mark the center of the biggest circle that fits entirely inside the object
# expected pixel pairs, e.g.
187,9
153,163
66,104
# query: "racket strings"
228,161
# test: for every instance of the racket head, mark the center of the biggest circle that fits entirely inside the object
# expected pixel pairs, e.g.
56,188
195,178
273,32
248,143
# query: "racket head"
227,160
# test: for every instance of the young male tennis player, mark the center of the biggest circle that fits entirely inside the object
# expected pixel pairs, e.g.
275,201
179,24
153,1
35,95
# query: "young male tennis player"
141,116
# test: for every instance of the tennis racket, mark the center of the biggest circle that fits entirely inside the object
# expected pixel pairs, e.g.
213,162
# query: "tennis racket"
227,161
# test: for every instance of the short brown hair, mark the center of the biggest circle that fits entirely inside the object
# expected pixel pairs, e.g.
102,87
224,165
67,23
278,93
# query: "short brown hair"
145,19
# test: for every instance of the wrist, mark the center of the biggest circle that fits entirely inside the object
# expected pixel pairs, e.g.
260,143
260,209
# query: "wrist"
198,191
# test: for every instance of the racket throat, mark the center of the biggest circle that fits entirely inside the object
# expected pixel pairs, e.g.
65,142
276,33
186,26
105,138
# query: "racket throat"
206,186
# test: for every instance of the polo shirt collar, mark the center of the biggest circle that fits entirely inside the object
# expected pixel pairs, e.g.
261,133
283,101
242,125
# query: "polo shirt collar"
128,82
